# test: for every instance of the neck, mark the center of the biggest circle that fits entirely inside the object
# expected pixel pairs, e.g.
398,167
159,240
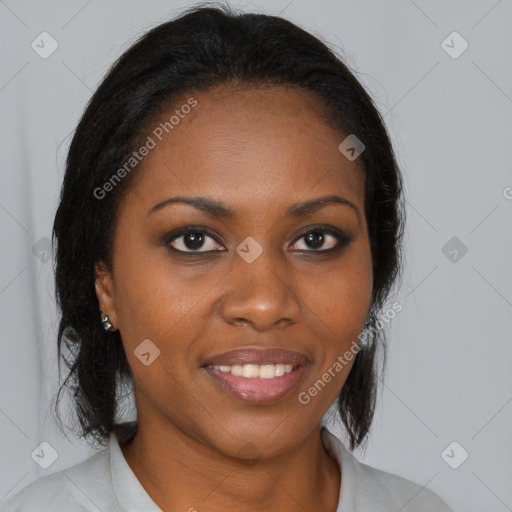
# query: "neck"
181,473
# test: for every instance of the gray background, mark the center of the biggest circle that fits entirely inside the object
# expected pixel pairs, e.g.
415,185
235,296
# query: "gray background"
449,375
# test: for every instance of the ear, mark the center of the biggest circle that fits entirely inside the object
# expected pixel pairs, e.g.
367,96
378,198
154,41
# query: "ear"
105,292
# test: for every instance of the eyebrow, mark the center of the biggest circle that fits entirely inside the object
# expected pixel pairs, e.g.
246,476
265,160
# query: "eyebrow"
308,207
201,203
217,209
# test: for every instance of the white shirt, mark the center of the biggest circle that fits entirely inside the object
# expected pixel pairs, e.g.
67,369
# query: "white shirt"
105,483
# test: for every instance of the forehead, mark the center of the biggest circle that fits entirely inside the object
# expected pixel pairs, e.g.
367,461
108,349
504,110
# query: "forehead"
262,144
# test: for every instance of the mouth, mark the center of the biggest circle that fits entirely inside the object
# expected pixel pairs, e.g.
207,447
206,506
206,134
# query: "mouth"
257,371
257,376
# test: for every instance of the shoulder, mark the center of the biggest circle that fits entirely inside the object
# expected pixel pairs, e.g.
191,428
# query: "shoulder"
367,488
83,487
394,492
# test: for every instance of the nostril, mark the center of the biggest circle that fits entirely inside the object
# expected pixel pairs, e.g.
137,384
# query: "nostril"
240,321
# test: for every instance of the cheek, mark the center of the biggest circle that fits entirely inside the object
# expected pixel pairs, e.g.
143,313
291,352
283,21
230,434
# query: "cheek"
338,299
154,310
149,299
339,310
340,296
159,301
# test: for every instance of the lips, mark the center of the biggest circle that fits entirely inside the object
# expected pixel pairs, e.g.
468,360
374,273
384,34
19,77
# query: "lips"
257,376
258,356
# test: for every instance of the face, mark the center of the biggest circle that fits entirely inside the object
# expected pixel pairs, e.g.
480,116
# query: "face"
241,248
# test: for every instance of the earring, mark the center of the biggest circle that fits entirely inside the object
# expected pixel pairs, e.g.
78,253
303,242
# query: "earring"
107,325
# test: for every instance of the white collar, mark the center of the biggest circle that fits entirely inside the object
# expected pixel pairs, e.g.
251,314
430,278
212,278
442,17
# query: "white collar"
130,494
345,460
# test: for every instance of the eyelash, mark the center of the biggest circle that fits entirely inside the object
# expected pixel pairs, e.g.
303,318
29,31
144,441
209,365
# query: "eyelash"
342,239
187,231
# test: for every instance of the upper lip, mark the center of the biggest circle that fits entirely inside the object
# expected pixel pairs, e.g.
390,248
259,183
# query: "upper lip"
257,356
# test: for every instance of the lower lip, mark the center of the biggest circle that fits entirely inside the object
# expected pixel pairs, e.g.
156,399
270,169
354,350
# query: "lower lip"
256,390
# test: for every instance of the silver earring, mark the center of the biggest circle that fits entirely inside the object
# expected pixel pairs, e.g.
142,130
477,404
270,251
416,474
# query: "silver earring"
107,325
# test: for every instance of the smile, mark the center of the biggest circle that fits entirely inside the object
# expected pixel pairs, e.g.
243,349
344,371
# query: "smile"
256,371
256,375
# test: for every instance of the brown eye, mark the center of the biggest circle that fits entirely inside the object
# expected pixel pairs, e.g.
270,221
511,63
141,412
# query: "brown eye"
194,241
320,240
314,239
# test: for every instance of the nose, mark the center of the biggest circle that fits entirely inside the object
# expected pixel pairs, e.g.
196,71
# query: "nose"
260,296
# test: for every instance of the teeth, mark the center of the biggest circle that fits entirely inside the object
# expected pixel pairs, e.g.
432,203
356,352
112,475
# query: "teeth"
250,370
254,371
236,369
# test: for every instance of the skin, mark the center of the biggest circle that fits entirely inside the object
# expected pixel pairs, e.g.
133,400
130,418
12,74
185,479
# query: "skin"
257,152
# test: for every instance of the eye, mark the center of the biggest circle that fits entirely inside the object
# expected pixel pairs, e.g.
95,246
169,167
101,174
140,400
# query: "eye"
194,240
321,239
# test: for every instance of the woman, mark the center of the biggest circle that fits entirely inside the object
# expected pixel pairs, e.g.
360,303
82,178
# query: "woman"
229,230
